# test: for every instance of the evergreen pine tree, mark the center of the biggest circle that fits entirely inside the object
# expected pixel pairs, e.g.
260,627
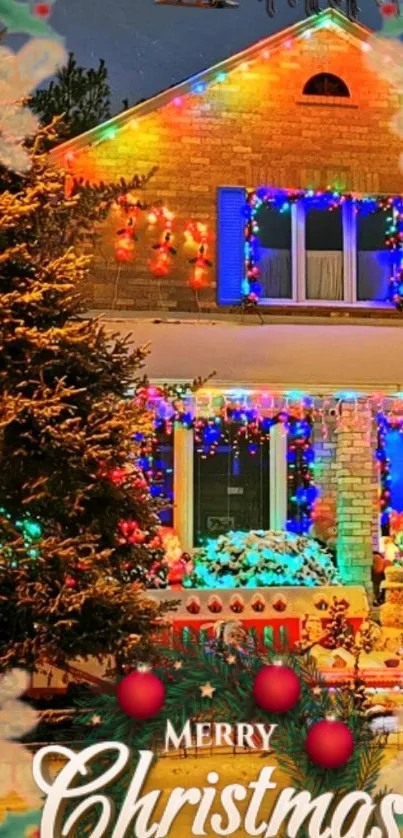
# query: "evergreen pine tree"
79,537
82,96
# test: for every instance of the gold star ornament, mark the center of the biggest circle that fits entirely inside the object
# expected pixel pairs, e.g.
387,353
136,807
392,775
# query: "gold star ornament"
178,665
207,691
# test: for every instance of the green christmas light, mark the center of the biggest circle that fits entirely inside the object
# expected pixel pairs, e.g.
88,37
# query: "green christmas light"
32,529
31,532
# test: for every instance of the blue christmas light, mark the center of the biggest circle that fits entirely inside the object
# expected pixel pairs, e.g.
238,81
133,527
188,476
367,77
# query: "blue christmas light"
322,200
211,435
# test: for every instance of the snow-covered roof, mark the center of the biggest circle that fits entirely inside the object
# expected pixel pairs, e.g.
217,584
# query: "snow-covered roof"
316,358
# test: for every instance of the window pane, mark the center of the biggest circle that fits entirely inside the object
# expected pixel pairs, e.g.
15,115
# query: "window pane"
274,252
324,254
231,490
373,258
326,84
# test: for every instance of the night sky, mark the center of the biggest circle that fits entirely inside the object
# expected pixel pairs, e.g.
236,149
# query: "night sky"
149,47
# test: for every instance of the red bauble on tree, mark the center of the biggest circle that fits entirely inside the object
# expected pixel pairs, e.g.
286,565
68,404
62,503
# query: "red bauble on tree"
277,689
329,744
70,582
141,694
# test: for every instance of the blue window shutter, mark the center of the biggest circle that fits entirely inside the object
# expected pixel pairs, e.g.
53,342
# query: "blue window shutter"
230,245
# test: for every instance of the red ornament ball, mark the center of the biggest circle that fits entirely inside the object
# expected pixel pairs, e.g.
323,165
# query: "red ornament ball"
329,744
70,582
141,695
276,689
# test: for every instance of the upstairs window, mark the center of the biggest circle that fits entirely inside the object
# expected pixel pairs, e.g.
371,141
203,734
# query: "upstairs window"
305,252
326,84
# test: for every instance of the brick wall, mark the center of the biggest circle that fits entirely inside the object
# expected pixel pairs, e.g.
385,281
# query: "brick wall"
346,513
254,128
356,493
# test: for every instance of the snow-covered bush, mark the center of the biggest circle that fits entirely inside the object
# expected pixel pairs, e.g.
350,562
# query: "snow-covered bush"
262,558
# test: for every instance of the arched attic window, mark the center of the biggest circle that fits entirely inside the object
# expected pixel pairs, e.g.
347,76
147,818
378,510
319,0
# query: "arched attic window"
326,84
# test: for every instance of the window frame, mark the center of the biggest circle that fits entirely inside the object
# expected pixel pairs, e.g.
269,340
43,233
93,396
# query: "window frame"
326,76
184,499
298,264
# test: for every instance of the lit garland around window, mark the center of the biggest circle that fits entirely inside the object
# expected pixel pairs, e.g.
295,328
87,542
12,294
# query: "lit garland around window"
386,424
157,469
302,492
394,241
322,200
246,428
252,414
238,422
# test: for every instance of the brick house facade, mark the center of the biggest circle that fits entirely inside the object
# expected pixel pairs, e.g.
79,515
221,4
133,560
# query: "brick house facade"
245,123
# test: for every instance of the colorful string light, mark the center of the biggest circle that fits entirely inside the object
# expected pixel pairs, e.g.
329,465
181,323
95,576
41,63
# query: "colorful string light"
242,421
302,491
329,200
198,85
157,466
394,242
385,424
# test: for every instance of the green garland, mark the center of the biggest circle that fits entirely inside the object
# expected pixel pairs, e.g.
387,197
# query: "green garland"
231,673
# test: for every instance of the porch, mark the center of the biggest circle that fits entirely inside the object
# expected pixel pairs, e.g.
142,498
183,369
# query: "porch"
343,377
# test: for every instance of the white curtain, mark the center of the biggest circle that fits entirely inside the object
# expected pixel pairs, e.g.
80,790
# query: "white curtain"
324,275
275,273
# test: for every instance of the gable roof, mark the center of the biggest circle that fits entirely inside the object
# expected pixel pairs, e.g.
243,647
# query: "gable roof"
330,18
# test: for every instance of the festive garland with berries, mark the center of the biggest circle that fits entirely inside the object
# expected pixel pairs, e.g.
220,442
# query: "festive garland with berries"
323,739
